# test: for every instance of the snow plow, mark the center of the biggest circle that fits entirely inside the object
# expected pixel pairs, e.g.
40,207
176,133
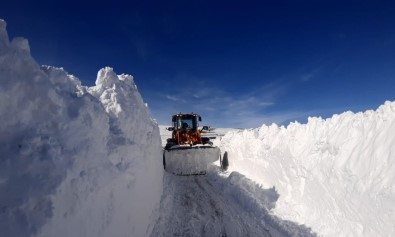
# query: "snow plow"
187,152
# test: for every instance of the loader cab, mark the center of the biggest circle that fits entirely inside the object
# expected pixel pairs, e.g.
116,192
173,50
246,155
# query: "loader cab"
186,121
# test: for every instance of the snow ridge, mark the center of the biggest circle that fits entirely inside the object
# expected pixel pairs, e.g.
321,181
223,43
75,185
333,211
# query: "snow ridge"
334,175
75,161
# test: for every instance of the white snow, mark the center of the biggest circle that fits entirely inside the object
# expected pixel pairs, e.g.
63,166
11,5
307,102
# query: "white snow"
220,205
335,175
75,161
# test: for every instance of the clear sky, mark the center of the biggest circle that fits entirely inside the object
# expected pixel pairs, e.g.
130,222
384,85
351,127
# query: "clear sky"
237,63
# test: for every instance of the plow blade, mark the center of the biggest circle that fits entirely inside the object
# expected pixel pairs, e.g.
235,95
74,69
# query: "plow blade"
190,160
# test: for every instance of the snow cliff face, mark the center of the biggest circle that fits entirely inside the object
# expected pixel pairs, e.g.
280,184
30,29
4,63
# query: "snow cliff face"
75,161
335,175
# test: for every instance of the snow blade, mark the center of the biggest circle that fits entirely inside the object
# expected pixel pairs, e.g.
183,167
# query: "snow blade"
187,160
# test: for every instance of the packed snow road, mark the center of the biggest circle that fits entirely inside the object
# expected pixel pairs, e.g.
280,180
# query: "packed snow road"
220,205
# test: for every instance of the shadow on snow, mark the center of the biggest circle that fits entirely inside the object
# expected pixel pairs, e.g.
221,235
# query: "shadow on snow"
216,205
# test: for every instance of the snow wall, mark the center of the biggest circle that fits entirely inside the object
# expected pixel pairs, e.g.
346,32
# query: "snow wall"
75,161
335,175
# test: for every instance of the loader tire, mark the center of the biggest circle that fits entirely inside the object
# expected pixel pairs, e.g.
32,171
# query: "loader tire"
225,161
164,161
168,145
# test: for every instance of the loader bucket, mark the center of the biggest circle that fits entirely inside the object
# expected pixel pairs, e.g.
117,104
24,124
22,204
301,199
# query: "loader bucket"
187,160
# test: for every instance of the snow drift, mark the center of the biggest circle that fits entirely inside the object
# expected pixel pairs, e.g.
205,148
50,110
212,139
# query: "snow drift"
75,161
335,175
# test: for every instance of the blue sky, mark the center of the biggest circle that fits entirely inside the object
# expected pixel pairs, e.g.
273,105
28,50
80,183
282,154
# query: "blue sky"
237,63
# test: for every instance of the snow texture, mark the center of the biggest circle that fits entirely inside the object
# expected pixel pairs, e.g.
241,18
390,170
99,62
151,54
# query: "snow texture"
75,161
335,175
220,205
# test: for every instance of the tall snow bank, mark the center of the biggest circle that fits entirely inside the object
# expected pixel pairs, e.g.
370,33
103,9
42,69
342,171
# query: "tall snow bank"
335,175
75,161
